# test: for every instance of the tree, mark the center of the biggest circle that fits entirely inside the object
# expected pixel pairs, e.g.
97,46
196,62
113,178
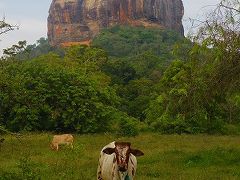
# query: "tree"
16,49
221,32
54,93
202,93
5,27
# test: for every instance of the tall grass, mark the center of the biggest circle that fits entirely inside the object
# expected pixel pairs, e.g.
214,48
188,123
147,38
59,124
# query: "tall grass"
166,157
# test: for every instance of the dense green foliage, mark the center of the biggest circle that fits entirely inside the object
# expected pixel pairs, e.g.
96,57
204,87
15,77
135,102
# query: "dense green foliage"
138,58
126,41
201,94
82,90
53,93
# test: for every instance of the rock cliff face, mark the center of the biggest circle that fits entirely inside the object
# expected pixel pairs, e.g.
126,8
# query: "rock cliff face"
78,21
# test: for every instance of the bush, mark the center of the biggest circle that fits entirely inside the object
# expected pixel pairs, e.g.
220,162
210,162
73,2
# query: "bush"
231,129
128,127
165,124
27,170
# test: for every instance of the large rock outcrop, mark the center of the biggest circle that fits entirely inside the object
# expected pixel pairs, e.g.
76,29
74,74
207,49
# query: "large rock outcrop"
74,21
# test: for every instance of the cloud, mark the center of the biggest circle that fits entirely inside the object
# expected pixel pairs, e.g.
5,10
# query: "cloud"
196,10
2,12
33,26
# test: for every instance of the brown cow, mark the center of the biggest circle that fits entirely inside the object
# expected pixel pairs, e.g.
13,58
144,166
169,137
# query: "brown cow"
61,139
118,162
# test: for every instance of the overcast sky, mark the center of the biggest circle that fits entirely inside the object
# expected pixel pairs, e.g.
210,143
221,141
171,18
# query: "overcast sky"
31,16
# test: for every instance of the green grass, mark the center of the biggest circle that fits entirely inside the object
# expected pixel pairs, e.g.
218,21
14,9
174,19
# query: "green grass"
166,157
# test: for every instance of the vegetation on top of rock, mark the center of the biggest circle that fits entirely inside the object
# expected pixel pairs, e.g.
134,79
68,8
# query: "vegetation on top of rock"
127,41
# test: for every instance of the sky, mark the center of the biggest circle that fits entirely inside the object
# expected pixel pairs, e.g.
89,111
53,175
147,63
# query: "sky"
31,17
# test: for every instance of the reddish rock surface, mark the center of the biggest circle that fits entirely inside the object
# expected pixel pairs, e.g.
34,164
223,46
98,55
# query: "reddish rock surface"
76,21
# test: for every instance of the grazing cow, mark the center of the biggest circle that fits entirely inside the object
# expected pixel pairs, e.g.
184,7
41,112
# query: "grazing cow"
61,139
118,162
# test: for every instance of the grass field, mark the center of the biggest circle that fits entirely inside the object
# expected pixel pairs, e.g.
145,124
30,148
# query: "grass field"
166,157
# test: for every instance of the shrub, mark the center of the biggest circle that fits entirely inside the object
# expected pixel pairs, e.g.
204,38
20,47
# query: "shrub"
128,127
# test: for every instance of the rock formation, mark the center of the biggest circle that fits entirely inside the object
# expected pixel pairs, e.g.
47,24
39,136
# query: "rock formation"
78,21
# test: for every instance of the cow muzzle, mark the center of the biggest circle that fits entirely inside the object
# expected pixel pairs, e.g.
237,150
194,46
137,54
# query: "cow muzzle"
122,168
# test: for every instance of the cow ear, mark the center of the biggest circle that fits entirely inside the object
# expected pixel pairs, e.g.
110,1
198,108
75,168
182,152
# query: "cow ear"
109,150
136,152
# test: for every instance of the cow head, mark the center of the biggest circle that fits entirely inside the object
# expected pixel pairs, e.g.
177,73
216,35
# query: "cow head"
123,151
53,147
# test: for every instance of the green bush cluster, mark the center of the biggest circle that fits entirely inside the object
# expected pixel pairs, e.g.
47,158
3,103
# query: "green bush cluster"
57,94
141,77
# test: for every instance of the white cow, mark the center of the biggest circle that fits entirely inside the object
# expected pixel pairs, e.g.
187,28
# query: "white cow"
61,139
117,161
